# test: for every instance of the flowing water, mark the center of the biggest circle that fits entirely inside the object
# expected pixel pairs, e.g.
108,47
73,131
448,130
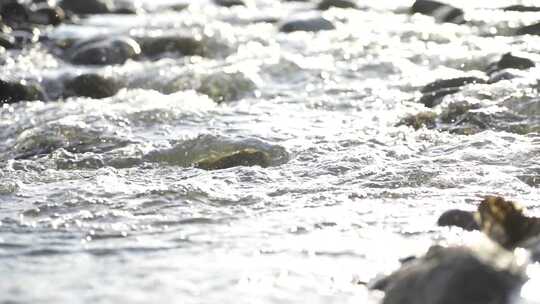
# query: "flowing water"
100,202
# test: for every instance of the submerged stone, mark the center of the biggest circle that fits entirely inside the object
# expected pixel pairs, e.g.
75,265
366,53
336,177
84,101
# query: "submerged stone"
104,51
246,158
87,7
223,87
438,10
327,4
307,25
449,276
432,99
156,46
91,85
12,92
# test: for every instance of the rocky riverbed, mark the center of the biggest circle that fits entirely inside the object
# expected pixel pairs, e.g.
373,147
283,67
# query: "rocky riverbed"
266,151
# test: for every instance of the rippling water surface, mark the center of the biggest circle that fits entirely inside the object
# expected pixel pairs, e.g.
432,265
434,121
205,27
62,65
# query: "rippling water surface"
100,201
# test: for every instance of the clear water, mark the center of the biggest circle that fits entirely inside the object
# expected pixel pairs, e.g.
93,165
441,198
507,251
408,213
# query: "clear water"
114,211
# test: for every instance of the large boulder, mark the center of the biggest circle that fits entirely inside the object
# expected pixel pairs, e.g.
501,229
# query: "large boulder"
450,276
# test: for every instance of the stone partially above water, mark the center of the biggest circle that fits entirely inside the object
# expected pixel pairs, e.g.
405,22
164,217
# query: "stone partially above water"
12,92
91,85
104,51
313,24
229,3
459,218
327,4
246,158
438,10
435,91
533,29
87,7
184,46
454,275
509,61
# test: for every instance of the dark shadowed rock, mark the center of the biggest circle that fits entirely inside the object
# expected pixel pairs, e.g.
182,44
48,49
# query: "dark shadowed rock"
521,8
87,7
229,3
7,41
438,10
91,85
12,92
104,51
156,46
509,61
432,99
314,24
458,218
435,91
450,83
47,16
533,29
246,157
14,13
326,4
449,276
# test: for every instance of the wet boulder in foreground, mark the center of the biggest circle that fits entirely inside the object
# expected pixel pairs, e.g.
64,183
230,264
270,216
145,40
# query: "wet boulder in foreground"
449,276
12,92
91,85
435,91
246,158
47,15
104,51
313,24
87,7
327,4
157,46
440,11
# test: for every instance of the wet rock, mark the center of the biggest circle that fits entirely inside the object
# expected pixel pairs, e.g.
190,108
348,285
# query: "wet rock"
26,36
459,218
7,41
432,99
307,25
326,4
450,83
104,51
12,92
533,29
504,222
497,76
438,10
14,13
246,158
229,3
509,61
420,120
91,85
435,91
87,7
47,16
125,11
450,276
156,46
223,87
521,8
